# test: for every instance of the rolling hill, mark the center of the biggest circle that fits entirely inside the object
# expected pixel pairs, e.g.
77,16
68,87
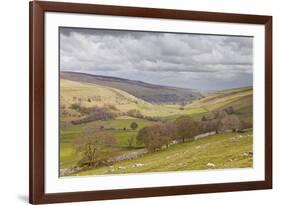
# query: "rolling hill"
241,99
148,92
222,151
89,95
92,95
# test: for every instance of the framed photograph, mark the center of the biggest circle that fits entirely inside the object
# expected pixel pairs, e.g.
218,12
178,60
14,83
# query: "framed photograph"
139,102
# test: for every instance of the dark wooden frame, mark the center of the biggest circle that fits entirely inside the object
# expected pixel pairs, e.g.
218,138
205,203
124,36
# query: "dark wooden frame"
37,95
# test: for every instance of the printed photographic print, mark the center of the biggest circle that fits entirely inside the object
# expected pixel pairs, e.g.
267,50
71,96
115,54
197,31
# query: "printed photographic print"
143,102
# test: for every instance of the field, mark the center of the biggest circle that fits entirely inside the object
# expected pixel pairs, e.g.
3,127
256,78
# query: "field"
225,150
141,90
68,156
241,99
96,95
220,151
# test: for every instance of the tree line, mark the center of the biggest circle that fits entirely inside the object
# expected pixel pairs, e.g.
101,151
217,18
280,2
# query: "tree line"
185,128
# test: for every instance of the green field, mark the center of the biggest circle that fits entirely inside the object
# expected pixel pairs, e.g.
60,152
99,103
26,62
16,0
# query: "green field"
224,150
68,156
228,150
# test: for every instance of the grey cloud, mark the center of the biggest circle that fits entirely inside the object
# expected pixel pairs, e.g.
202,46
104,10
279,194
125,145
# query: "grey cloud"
184,60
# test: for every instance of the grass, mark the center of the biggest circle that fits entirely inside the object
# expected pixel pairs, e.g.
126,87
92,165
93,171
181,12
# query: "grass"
68,156
89,95
241,99
227,150
147,92
234,97
99,95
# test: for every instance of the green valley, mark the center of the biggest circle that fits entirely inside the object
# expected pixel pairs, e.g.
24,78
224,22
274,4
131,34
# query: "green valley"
104,110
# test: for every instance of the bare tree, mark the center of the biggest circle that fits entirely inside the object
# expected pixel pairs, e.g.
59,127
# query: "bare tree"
220,114
230,110
92,144
208,125
187,128
156,136
149,137
229,122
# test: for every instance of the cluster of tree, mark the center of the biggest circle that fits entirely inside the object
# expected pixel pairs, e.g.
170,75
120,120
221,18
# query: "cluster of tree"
185,129
89,99
156,136
161,135
89,110
93,113
96,116
106,112
220,121
137,114
63,111
93,146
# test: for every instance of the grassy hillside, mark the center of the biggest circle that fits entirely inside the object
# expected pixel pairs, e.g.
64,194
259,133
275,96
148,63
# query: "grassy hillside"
148,92
119,101
88,95
228,150
91,94
217,100
241,99
68,156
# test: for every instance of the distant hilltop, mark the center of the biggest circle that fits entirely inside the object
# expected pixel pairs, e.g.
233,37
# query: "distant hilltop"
146,91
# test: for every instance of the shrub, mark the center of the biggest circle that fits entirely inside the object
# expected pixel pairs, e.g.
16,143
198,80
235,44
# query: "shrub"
134,125
135,113
75,106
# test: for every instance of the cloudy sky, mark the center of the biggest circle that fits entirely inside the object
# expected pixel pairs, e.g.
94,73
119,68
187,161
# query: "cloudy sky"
204,62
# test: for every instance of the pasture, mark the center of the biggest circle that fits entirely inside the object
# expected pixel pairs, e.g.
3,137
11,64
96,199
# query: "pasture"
223,150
